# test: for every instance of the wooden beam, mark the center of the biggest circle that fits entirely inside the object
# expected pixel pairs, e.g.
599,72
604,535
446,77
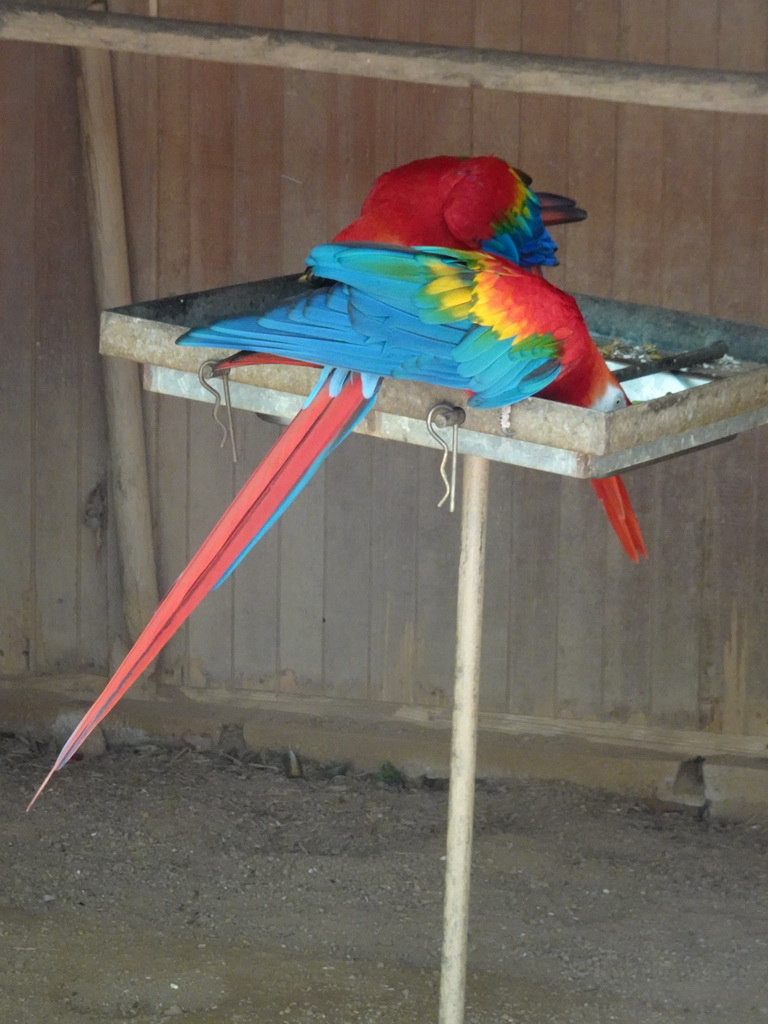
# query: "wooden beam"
614,81
128,458
367,718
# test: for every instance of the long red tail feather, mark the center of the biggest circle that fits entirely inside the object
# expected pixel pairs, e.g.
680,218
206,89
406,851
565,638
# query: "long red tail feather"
313,432
613,495
247,358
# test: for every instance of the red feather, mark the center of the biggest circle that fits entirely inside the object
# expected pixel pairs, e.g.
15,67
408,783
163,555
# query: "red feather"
314,429
448,201
613,494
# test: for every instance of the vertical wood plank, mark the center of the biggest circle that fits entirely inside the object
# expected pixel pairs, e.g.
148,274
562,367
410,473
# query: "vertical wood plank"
211,192
586,541
171,454
762,254
136,88
534,569
432,121
734,533
733,694
544,123
326,159
257,156
639,252
59,295
302,575
496,130
99,596
756,598
677,582
496,115
100,603
496,652
688,156
680,503
437,539
136,79
535,667
583,539
210,491
255,584
394,571
361,155
18,98
637,268
309,166
535,509
349,471
592,154
625,694
310,123
347,543
739,172
211,230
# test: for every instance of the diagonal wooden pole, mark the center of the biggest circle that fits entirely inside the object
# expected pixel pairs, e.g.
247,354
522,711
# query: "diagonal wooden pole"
461,794
125,422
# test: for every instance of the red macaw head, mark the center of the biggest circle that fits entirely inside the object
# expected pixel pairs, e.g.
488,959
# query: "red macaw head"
463,203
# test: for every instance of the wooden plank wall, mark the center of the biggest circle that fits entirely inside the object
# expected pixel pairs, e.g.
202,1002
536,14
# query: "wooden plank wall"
232,174
59,604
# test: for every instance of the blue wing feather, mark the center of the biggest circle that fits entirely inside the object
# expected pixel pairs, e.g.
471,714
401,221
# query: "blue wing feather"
379,318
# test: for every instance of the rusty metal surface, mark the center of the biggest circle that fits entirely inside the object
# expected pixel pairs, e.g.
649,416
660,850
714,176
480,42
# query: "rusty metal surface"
544,435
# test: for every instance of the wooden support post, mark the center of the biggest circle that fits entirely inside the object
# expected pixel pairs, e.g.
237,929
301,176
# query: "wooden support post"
128,457
461,795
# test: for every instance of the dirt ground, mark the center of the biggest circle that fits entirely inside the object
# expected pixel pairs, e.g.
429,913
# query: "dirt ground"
158,885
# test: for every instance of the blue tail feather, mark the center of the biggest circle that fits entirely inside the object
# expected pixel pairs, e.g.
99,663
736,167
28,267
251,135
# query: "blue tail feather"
305,479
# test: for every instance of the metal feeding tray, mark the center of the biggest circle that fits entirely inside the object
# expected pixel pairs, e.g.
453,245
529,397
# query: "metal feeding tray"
673,412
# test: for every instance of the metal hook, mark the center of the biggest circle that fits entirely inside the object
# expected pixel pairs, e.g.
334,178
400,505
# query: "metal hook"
204,374
452,416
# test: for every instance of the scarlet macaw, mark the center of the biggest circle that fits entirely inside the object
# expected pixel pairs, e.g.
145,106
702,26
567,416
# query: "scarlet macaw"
468,320
476,202
483,203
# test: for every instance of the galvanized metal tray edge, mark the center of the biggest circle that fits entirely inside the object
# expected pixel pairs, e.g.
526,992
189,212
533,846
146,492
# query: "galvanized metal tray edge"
579,442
